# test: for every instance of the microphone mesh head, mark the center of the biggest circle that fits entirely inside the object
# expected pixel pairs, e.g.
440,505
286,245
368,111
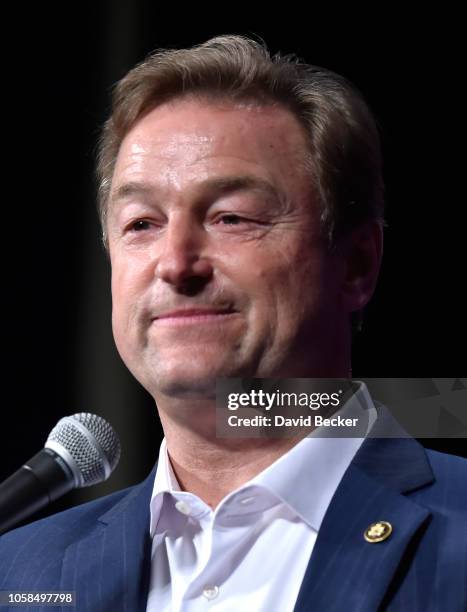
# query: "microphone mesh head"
92,444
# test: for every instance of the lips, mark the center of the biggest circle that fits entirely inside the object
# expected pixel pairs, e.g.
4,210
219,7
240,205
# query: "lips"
193,312
194,316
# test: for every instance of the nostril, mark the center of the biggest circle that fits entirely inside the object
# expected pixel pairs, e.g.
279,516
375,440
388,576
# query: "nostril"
192,286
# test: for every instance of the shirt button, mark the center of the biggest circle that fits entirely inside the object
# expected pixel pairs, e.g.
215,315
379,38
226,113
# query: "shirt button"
183,507
211,592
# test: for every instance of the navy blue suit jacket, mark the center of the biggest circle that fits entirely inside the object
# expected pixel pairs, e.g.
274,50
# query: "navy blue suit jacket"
102,549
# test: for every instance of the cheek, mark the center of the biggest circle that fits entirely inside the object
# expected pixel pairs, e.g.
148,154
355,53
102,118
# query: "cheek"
265,280
128,282
129,276
301,287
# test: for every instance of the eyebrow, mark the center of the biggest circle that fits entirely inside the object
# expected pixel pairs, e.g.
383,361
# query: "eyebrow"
217,185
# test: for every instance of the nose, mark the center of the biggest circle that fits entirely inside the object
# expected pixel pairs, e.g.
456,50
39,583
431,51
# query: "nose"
181,261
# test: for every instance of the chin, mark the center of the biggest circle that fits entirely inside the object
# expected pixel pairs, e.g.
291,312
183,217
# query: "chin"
186,387
196,380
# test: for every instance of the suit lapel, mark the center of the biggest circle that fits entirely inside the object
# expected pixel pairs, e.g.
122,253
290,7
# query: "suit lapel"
346,571
114,562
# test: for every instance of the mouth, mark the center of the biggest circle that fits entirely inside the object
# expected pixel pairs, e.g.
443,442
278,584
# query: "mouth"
192,316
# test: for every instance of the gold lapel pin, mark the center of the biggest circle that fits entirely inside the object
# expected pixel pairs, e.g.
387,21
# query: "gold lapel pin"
378,532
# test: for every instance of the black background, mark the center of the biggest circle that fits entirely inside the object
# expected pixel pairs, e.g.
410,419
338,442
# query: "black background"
57,70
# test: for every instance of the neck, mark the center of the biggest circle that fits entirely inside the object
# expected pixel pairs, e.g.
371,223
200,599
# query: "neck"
212,467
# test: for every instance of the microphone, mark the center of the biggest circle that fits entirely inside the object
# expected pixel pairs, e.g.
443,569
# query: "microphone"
81,450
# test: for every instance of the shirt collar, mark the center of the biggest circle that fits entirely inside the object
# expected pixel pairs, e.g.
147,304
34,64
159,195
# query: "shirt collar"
323,459
305,478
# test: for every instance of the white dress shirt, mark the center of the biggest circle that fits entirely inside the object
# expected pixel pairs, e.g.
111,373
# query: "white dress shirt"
252,551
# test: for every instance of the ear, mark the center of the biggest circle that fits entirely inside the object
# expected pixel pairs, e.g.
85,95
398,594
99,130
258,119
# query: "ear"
362,251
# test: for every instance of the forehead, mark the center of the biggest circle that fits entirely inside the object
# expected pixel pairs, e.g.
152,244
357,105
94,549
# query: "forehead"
195,137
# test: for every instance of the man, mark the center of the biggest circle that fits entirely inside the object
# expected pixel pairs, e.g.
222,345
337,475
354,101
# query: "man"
241,205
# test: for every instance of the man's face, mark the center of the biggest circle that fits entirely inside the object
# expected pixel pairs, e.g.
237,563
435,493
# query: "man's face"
218,267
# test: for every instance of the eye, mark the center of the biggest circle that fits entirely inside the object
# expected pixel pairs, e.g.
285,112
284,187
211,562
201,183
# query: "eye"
140,225
231,219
